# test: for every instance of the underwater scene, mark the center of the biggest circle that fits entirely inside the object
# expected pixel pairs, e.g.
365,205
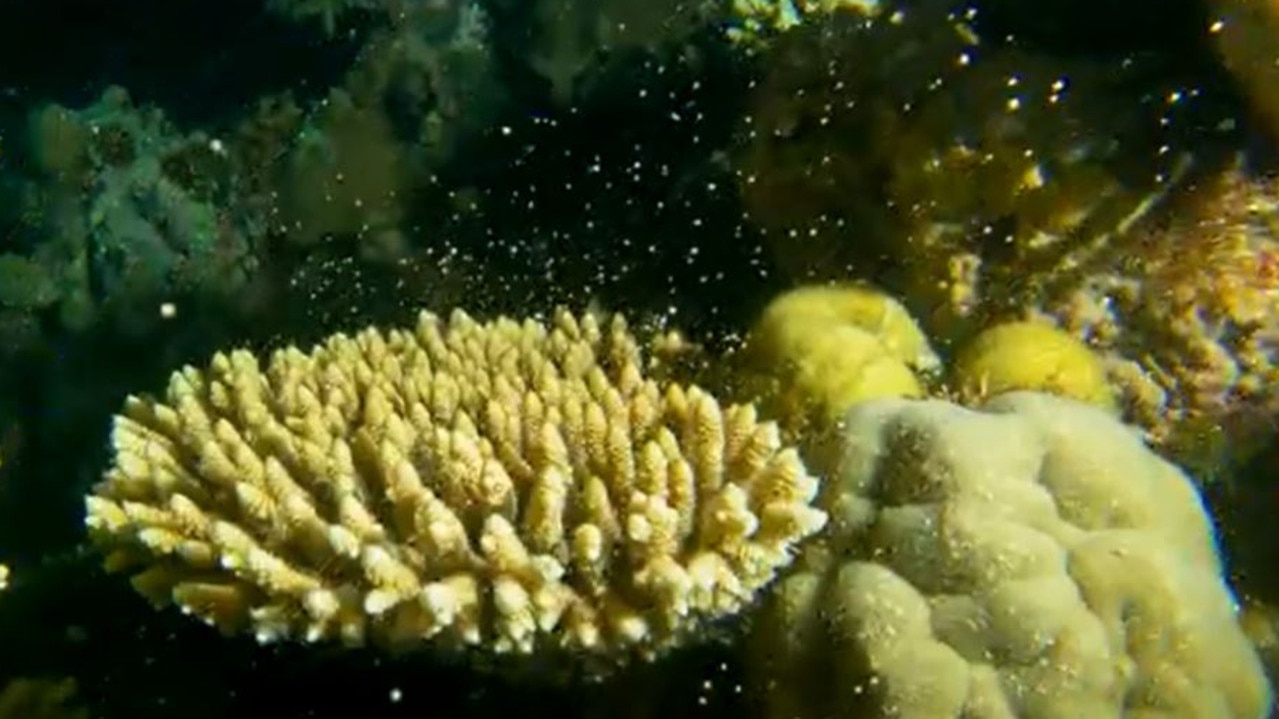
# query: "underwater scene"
639,359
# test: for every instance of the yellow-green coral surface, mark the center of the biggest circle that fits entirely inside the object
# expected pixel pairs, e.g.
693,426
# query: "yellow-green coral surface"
1030,356
824,348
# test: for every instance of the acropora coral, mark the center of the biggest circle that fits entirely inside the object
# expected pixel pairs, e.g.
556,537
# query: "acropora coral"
1032,559
506,488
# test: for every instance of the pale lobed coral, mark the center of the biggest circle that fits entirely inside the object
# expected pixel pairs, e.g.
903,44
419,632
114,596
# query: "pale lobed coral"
512,488
1032,559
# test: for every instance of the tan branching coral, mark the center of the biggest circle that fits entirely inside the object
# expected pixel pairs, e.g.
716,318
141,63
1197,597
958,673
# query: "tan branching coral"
1186,313
508,487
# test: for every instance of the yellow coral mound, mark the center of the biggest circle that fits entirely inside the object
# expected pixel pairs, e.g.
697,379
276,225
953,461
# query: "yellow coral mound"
1034,356
817,350
509,487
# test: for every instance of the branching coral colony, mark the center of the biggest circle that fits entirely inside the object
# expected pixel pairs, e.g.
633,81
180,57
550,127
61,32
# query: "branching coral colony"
511,488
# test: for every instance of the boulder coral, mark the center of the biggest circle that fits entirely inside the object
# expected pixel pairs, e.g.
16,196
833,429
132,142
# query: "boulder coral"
1032,558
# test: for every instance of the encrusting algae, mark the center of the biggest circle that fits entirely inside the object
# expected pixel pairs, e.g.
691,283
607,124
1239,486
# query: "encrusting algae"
514,489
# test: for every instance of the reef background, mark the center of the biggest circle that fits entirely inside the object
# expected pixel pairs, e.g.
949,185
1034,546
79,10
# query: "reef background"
174,180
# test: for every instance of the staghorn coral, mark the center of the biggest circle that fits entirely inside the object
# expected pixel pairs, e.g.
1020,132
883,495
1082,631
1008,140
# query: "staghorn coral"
507,487
1030,559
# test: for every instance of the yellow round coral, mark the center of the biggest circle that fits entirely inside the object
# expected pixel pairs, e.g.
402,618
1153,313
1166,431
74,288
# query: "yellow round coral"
1030,355
808,312
822,349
